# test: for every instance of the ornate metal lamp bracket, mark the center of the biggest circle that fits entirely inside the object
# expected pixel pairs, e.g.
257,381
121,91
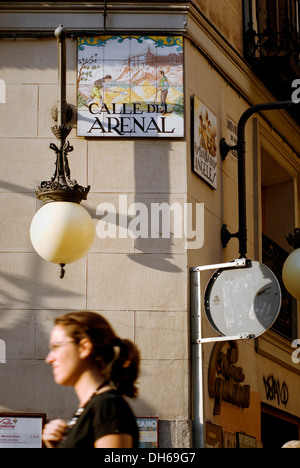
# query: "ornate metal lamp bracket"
61,187
61,169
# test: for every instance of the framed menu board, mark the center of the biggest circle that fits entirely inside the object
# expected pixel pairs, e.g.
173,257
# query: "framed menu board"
21,430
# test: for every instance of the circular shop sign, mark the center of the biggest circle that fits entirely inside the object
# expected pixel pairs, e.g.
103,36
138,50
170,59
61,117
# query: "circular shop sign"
243,300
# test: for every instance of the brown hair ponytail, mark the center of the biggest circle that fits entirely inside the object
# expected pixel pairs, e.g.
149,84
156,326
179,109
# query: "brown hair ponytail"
125,368
118,359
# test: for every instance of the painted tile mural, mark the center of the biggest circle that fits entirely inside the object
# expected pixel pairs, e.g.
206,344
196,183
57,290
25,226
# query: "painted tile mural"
130,86
204,158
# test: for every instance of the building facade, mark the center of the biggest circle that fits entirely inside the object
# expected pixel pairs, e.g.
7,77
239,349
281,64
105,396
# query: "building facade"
154,87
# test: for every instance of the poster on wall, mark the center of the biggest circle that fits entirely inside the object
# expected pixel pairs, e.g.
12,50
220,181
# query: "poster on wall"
21,430
204,143
130,86
148,432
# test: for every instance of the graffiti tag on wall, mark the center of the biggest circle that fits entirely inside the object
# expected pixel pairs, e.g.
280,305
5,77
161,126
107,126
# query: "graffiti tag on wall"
276,391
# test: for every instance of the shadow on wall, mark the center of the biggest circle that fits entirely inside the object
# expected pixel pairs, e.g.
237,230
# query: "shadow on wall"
31,294
29,287
153,190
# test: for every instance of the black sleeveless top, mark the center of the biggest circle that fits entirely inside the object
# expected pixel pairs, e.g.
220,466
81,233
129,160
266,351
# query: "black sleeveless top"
106,413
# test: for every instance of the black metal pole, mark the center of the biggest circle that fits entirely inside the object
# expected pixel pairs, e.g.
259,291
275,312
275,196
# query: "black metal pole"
60,34
61,131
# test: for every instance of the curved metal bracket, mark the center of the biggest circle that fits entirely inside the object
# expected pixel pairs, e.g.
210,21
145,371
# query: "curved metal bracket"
226,236
225,148
61,187
241,151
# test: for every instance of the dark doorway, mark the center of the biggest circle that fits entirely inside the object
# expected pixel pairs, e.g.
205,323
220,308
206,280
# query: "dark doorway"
278,427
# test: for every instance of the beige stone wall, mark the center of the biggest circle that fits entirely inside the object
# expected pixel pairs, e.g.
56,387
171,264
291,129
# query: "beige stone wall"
227,17
139,285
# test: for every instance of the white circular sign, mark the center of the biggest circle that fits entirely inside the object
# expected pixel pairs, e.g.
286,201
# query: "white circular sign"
243,300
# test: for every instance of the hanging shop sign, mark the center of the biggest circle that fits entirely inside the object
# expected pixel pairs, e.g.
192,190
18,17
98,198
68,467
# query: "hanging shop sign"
204,143
130,86
243,300
225,378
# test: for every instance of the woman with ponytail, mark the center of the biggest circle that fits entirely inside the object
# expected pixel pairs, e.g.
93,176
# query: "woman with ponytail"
86,353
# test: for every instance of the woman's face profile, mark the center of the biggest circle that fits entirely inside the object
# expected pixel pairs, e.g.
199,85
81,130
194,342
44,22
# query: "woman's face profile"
64,356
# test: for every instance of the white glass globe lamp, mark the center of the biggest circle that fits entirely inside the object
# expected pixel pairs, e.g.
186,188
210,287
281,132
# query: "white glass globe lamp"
62,232
291,273
291,267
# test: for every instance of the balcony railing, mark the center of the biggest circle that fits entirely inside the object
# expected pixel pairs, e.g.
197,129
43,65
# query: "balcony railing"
269,43
272,44
272,29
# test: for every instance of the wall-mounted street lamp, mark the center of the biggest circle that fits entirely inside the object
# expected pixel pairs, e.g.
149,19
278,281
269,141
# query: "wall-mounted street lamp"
291,267
291,270
62,231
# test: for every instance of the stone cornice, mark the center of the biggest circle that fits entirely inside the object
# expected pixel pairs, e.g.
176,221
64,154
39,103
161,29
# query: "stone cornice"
114,6
138,16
